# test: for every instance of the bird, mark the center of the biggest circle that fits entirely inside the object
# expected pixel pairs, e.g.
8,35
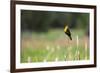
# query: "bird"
67,32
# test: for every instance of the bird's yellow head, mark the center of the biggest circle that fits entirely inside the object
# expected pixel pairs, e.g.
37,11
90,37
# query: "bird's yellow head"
65,29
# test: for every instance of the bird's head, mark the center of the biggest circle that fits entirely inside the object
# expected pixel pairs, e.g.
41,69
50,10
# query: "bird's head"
65,29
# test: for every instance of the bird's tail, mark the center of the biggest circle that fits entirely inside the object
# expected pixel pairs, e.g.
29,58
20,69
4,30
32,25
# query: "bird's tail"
70,38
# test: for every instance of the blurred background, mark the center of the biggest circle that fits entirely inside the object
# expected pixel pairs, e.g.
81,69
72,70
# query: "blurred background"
42,21
43,38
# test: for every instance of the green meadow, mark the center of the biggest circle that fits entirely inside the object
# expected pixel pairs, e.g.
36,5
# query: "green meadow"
54,45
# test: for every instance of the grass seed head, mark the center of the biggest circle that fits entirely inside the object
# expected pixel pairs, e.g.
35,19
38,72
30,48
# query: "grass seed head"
47,47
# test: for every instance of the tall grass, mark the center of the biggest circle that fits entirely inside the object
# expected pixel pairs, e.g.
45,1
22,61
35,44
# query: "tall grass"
54,46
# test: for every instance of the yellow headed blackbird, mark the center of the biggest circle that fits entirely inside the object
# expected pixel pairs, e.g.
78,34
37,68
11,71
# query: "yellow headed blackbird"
67,32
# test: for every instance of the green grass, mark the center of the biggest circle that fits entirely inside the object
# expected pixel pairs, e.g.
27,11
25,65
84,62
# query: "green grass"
37,51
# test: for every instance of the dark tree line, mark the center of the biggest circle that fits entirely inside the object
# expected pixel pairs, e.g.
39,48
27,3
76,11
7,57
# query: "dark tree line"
44,20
